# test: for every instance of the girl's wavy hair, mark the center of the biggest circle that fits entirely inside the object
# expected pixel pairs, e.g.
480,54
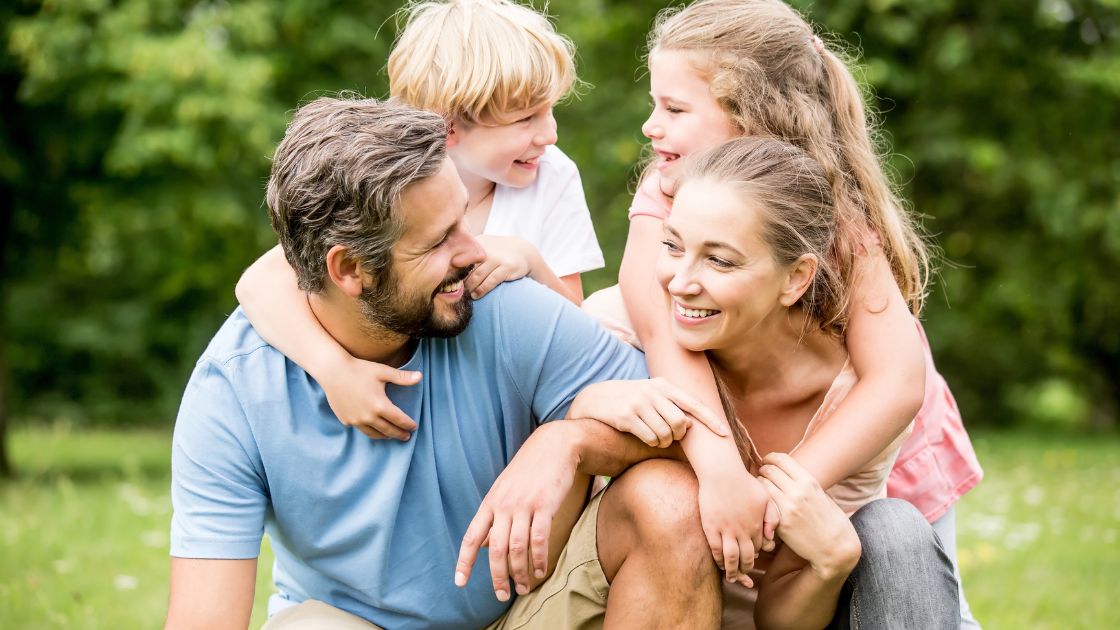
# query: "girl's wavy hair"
775,77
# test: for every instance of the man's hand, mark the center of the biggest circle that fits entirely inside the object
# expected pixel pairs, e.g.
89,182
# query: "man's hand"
507,258
732,506
355,391
653,410
516,514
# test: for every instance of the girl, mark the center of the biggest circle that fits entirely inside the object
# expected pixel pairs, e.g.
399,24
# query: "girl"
746,261
726,68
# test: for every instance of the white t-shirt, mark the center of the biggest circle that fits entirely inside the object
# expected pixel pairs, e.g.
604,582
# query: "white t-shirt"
552,214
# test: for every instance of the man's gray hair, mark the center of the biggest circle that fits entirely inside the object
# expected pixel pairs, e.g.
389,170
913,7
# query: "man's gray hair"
337,178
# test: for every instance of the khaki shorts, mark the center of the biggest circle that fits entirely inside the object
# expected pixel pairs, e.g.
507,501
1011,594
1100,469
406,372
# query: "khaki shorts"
574,596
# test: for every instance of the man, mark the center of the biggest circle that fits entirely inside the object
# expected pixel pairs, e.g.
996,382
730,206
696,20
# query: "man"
369,212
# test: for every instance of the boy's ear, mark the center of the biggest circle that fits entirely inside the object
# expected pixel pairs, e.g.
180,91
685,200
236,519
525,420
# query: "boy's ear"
801,274
346,271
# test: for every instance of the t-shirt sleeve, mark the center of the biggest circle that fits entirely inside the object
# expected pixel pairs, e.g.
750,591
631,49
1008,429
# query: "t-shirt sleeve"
553,350
568,243
649,201
218,490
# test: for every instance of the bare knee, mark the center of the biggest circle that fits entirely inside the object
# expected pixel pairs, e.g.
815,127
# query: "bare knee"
656,501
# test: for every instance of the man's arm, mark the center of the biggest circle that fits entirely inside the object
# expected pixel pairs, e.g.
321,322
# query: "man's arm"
210,594
517,512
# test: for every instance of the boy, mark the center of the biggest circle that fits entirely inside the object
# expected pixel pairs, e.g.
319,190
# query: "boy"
494,69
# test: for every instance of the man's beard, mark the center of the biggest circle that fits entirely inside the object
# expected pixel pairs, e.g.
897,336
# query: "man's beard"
387,305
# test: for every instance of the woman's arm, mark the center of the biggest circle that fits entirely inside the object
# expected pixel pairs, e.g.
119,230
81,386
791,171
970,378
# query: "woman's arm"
355,389
716,460
886,352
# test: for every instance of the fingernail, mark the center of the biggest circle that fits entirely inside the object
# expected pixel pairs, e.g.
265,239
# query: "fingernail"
539,573
460,578
502,595
522,589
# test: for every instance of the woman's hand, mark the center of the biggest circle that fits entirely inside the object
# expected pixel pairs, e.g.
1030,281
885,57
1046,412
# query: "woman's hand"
355,391
812,525
653,410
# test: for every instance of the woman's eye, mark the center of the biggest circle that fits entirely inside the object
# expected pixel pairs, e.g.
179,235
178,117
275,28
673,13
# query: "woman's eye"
671,246
721,263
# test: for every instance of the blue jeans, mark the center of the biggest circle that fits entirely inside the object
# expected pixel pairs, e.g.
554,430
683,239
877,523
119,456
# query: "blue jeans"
904,579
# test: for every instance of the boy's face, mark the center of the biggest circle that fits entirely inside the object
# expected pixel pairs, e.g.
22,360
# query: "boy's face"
506,152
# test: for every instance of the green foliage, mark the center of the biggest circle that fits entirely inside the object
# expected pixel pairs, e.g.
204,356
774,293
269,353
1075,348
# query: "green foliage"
134,142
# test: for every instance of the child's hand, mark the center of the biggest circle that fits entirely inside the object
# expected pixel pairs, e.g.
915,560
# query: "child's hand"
653,410
507,258
356,394
731,513
813,526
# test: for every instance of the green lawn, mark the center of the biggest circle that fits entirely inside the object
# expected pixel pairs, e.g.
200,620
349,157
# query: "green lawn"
83,532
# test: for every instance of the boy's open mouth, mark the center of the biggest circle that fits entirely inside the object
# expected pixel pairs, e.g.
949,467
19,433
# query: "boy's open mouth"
528,162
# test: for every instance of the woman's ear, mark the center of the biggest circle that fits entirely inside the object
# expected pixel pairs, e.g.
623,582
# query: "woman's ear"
346,271
798,279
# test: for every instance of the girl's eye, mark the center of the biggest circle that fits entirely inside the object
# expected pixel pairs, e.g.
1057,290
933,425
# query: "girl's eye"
671,246
673,110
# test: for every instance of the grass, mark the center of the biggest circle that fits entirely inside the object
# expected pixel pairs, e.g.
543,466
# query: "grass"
83,531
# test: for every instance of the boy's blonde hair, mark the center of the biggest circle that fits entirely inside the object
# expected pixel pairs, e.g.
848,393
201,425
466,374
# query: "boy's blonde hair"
775,77
479,60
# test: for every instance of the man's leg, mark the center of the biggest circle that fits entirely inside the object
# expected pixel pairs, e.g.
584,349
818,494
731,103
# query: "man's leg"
653,551
904,578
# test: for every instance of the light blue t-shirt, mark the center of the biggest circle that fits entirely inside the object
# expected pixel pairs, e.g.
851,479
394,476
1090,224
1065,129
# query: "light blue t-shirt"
374,526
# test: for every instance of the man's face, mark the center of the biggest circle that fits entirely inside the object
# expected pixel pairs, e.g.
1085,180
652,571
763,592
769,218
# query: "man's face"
421,294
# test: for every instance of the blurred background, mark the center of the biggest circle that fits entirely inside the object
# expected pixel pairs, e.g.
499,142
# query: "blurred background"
135,138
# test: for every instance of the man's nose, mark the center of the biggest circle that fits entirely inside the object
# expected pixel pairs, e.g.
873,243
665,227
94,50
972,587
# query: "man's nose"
472,253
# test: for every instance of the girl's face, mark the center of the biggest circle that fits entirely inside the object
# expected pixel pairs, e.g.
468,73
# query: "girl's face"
686,116
722,279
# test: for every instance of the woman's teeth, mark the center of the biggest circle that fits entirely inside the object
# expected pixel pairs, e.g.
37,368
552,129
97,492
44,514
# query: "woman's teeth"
451,287
696,313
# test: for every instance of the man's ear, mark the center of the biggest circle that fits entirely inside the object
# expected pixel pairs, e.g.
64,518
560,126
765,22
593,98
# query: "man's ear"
346,271
798,279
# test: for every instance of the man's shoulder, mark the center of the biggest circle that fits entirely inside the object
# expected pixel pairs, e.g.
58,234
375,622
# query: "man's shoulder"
237,344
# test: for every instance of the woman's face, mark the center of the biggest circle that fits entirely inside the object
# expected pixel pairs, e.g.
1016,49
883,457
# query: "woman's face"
722,279
686,117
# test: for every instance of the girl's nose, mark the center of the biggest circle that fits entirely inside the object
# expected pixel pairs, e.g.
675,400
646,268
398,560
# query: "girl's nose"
651,128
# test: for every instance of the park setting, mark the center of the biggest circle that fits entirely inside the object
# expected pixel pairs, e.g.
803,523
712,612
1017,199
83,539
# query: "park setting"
136,140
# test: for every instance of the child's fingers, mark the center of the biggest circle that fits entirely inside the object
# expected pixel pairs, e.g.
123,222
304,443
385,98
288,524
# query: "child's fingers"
769,524
496,276
779,478
695,408
372,433
790,467
393,415
478,274
730,558
404,378
677,420
657,424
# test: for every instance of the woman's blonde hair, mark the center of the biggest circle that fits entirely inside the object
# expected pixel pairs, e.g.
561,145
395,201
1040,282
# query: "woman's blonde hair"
775,77
479,60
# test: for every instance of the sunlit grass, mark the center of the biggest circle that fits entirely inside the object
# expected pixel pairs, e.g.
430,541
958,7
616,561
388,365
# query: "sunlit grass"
83,532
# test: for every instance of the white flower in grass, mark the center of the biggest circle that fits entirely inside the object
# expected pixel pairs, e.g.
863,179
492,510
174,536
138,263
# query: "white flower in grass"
126,583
